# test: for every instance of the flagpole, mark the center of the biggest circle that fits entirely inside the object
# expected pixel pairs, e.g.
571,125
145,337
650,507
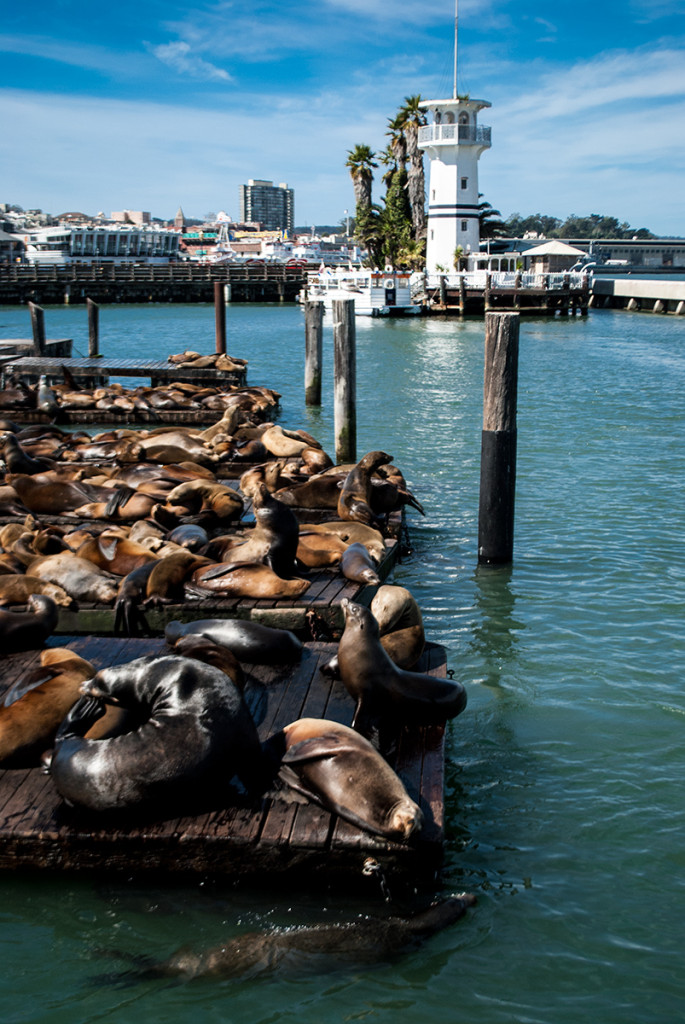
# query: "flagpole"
456,25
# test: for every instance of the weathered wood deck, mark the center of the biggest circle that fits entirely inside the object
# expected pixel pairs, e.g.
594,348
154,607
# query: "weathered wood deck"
160,371
38,831
118,418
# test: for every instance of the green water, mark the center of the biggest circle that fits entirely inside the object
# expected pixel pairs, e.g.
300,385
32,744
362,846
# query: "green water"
564,785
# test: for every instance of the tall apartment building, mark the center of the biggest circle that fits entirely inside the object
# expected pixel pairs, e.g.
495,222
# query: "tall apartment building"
271,205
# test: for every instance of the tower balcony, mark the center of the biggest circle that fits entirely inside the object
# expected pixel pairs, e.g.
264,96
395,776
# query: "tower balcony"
449,133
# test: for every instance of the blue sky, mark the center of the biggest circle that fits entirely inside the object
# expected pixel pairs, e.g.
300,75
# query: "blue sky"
153,104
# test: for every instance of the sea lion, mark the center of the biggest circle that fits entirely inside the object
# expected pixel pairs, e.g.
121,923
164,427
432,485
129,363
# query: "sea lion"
308,948
17,460
28,724
115,553
320,491
80,578
279,525
198,495
400,624
383,692
198,736
16,589
351,532
46,400
354,501
247,580
336,767
248,641
26,631
357,565
189,536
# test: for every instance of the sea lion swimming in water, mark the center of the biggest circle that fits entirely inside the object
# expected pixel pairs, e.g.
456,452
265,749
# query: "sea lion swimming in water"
306,948
198,736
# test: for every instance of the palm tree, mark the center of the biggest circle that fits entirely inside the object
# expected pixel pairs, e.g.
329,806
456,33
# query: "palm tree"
491,223
412,117
360,161
389,161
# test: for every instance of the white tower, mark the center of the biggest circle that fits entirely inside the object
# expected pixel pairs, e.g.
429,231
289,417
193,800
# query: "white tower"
454,142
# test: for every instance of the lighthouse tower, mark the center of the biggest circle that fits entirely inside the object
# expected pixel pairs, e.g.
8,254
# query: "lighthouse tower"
454,142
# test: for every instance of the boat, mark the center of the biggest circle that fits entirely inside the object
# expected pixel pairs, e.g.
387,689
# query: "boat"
375,292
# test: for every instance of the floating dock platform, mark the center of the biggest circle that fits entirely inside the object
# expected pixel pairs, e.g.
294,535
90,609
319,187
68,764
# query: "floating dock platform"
160,371
38,831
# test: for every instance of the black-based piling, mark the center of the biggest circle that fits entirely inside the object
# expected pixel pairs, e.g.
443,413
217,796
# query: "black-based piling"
219,318
93,329
498,445
344,381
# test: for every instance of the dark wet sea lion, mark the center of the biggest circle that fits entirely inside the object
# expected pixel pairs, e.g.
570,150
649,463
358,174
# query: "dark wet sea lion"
308,948
28,724
279,526
27,631
247,640
382,691
18,460
355,495
320,491
336,767
357,565
189,536
198,736
400,624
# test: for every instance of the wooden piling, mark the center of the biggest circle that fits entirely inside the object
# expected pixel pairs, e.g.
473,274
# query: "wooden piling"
344,381
38,328
498,443
313,354
93,329
219,318
486,293
462,295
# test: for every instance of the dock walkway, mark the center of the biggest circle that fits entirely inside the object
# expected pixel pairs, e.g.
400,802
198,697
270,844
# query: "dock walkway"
38,831
160,371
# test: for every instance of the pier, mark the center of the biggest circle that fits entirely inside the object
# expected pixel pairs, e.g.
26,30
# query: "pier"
142,282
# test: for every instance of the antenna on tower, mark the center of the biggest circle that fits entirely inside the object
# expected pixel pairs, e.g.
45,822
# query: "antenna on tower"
456,25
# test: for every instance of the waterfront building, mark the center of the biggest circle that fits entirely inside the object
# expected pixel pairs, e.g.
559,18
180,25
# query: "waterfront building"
131,217
453,142
108,243
273,206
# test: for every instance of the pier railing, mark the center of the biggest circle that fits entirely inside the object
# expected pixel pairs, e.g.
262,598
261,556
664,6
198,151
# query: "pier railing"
477,279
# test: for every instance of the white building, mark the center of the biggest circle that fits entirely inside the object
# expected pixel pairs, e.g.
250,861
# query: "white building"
454,142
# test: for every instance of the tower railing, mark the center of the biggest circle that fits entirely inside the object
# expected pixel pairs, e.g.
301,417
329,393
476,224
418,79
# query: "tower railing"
478,135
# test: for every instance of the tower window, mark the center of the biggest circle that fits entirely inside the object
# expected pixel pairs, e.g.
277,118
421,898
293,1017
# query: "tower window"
464,225
433,193
464,182
432,235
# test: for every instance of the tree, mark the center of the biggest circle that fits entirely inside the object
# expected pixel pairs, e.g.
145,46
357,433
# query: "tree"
360,162
412,117
491,223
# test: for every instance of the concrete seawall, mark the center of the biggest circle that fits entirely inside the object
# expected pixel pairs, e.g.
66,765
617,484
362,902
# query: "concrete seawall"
634,293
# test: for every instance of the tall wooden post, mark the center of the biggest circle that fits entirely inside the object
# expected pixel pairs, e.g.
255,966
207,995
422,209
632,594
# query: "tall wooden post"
486,293
462,295
344,381
38,328
93,329
313,351
498,444
219,318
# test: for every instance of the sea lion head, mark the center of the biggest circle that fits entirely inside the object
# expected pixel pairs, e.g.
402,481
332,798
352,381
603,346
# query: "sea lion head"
359,617
404,819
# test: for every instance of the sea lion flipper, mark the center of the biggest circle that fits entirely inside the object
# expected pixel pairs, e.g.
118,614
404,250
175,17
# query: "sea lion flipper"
26,684
83,715
315,748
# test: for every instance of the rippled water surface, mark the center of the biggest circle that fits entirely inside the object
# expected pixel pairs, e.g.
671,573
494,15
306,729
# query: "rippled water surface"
565,774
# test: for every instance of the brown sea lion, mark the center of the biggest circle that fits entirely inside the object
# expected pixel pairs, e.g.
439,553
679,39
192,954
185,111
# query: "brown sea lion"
28,725
118,555
357,565
199,734
80,578
400,624
16,589
279,525
320,491
383,692
247,580
354,501
26,631
223,501
336,767
308,949
350,532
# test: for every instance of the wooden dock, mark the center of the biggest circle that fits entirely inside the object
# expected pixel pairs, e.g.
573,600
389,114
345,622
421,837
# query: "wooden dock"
38,831
159,371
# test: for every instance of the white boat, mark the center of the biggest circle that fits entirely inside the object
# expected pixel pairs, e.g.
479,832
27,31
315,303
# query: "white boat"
375,292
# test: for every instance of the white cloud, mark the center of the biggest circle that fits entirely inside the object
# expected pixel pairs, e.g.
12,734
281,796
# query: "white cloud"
179,57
